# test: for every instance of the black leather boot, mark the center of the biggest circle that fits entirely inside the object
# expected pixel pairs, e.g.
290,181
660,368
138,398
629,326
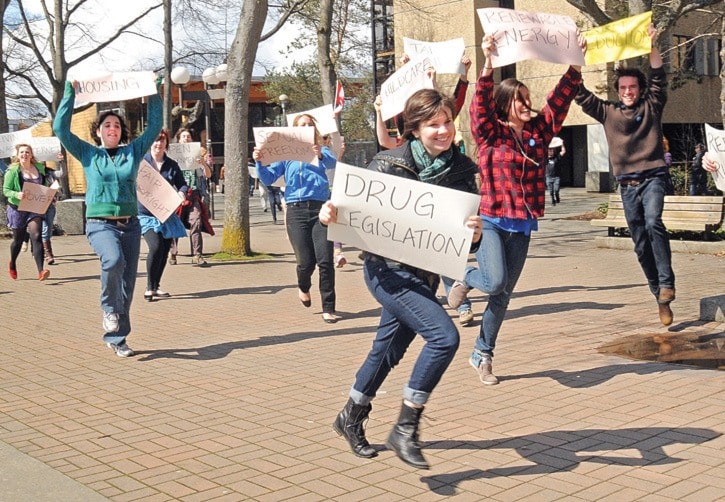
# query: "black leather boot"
349,423
403,439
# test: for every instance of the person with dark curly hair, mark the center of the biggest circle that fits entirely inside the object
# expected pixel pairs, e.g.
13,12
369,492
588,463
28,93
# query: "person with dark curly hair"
112,226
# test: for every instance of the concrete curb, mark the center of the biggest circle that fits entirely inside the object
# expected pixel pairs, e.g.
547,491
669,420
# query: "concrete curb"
625,243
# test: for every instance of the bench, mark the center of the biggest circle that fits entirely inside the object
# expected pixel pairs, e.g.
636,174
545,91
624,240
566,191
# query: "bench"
679,213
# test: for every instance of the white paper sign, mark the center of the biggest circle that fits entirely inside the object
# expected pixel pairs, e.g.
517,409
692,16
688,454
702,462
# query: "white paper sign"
155,193
402,84
445,56
10,139
116,87
716,152
285,143
37,198
45,148
409,221
324,117
185,154
531,35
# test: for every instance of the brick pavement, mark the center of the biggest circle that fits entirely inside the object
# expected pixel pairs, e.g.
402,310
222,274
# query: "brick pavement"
235,385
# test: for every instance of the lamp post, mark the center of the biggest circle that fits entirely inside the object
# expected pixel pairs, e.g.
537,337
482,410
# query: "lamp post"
180,76
284,101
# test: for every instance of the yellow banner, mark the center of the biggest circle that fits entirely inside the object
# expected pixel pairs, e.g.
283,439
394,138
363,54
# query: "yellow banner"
623,39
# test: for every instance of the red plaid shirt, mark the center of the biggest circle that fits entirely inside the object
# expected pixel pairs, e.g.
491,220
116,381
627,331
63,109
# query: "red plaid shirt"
513,186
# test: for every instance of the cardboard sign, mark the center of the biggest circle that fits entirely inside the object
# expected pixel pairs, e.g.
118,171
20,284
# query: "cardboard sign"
45,149
116,87
324,117
531,35
155,193
445,56
185,154
10,139
623,39
402,84
37,198
716,152
409,221
285,143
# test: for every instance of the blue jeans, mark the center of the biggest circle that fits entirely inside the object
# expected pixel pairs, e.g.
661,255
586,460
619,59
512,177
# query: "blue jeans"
309,240
447,284
501,258
643,206
118,246
552,185
409,307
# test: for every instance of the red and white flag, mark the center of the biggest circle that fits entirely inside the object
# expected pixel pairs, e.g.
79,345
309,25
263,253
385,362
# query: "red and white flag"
339,98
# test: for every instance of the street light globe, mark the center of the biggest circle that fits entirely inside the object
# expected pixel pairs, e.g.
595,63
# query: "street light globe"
221,72
180,75
283,99
209,76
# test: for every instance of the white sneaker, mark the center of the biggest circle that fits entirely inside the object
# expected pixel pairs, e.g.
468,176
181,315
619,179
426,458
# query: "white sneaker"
161,293
121,350
465,317
110,322
484,370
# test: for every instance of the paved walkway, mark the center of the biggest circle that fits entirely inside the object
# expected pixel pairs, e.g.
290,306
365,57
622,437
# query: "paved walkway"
235,385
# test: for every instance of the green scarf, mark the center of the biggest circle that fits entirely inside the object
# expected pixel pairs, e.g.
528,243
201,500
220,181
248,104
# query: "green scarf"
432,170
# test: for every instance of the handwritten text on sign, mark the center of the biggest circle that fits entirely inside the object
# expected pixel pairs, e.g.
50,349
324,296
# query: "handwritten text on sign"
716,152
116,87
623,39
37,198
155,193
402,84
45,148
185,154
531,35
285,143
10,139
404,220
445,56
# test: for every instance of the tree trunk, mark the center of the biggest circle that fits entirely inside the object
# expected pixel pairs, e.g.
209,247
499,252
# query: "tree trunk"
328,76
235,238
168,61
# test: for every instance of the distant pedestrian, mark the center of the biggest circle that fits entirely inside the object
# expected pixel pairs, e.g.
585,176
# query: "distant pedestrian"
698,175
112,226
553,168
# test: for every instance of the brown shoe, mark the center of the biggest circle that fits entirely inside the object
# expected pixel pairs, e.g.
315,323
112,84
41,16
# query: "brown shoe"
666,295
665,313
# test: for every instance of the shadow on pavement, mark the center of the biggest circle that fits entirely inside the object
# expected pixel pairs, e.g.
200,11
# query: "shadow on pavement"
563,451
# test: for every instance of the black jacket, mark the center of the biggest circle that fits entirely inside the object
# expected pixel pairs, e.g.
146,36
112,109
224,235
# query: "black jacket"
399,162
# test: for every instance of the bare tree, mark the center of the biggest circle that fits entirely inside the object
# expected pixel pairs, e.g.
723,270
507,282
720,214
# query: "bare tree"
235,238
3,106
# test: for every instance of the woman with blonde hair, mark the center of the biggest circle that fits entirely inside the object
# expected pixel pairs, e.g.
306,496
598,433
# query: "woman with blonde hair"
26,169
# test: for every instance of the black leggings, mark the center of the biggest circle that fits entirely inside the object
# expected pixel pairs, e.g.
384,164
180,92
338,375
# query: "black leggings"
156,259
35,231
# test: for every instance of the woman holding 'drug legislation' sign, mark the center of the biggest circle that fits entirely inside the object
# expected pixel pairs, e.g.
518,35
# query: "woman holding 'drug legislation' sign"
112,225
512,142
407,294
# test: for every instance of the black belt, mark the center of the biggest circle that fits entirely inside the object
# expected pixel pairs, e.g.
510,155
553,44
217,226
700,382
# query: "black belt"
114,221
309,204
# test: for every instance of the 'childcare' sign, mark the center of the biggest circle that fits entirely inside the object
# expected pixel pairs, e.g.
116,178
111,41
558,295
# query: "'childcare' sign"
409,221
531,35
402,84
